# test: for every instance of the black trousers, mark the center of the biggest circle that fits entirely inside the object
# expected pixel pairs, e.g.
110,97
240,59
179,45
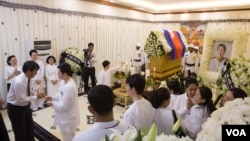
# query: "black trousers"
3,131
21,122
88,72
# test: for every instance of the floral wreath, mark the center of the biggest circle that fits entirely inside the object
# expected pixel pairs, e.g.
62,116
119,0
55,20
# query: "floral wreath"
238,48
234,112
240,74
75,52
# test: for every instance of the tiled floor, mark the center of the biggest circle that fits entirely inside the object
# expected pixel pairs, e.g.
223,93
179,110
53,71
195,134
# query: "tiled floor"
44,117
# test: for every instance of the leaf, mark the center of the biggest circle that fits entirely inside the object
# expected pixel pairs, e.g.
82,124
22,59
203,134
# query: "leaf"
152,133
139,136
143,132
106,138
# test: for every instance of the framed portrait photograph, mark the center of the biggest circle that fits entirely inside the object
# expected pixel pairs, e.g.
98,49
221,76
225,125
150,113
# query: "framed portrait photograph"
228,44
221,52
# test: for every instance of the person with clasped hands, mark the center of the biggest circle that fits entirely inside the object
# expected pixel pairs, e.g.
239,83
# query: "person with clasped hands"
11,70
19,98
90,58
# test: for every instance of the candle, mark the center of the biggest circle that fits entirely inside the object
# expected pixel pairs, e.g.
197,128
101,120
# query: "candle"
154,72
126,67
147,73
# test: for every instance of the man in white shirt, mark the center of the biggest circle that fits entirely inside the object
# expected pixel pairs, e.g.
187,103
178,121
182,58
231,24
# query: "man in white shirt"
138,58
101,102
90,59
65,103
19,98
141,113
103,77
190,61
37,83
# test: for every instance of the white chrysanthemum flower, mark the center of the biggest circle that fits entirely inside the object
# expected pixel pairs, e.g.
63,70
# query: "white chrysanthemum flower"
233,112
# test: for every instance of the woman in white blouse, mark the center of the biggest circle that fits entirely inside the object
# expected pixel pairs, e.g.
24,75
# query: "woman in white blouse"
163,116
199,112
51,76
11,70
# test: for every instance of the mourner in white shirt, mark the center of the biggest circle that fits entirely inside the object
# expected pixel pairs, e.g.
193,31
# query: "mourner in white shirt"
184,101
51,73
138,58
101,102
19,98
190,60
232,94
141,113
163,116
90,59
104,76
11,70
65,103
37,83
174,89
199,112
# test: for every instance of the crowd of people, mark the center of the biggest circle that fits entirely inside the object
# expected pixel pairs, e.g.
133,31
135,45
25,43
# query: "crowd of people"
26,93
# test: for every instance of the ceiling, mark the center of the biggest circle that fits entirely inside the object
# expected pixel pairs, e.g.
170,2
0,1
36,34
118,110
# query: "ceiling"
177,6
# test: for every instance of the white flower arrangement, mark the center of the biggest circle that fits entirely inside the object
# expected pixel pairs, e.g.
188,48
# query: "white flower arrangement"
239,40
135,135
239,47
240,74
75,52
156,44
234,112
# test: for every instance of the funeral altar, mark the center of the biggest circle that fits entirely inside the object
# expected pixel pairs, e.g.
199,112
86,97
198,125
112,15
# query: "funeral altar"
166,49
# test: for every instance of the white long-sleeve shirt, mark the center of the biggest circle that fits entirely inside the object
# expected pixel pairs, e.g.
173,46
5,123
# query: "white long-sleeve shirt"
98,131
8,70
66,106
140,114
18,91
91,62
39,76
51,73
180,105
164,120
103,77
197,115
172,101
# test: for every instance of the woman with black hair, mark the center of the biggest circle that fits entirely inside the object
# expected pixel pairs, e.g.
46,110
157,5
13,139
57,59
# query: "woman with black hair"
232,94
163,117
174,88
199,112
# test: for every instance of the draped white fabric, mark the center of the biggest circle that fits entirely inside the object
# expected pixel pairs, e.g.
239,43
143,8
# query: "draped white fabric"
114,31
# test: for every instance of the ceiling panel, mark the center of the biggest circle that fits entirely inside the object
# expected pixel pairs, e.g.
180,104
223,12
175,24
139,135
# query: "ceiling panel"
177,6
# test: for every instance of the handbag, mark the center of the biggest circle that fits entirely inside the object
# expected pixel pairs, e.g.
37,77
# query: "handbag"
176,129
